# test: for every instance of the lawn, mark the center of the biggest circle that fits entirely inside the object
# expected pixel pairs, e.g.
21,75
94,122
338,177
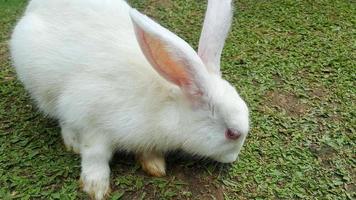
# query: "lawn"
293,61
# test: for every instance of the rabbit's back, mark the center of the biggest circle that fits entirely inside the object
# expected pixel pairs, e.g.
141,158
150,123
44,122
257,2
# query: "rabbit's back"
58,41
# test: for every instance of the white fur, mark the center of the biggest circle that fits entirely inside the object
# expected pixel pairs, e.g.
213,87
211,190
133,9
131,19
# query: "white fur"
82,64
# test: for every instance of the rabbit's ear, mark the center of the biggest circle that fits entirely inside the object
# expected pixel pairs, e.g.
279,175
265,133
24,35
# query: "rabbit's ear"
216,26
170,55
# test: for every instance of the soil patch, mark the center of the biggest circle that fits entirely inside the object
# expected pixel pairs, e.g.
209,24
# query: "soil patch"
287,102
324,153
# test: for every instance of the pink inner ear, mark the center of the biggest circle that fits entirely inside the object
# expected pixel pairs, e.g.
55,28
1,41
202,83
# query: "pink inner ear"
159,57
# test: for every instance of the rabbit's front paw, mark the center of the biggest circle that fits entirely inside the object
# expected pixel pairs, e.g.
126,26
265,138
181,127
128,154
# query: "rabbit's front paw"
95,176
96,185
153,163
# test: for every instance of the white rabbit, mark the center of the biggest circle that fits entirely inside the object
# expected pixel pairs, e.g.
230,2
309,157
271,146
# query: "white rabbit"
116,80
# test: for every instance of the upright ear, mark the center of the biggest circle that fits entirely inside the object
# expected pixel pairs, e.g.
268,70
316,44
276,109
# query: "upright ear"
170,56
216,26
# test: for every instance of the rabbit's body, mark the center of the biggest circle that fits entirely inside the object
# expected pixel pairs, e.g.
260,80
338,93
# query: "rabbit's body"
60,47
81,67
92,64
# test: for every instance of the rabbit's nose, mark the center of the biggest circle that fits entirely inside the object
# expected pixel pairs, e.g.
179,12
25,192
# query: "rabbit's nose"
232,135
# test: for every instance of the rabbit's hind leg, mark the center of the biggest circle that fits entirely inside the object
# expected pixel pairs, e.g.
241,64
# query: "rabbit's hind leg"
70,138
153,163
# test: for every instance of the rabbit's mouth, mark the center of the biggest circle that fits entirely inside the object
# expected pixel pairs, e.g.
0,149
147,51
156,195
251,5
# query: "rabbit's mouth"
227,158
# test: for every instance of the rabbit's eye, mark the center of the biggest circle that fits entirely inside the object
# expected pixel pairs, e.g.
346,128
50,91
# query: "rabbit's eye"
232,135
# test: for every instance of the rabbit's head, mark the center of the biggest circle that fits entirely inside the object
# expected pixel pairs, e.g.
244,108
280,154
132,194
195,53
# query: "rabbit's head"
218,117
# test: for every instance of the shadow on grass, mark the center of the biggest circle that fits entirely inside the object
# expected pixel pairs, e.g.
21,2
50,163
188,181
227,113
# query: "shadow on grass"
191,176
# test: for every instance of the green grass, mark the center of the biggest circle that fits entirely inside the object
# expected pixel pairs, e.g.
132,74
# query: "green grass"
293,61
